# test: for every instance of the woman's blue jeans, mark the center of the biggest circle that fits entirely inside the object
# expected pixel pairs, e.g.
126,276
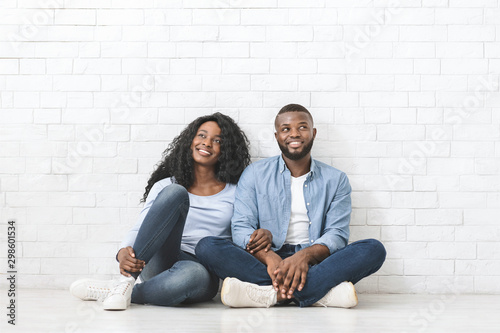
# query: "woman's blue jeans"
171,276
351,263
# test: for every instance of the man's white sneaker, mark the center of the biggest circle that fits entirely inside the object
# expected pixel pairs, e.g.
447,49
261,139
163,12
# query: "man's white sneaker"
341,296
90,289
120,295
239,294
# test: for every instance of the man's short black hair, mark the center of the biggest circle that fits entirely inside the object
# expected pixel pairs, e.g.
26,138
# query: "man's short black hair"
294,108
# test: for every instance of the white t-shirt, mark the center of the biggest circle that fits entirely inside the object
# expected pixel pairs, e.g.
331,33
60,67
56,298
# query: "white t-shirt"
298,227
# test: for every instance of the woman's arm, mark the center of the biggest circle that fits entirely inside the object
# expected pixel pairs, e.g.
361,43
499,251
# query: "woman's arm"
128,262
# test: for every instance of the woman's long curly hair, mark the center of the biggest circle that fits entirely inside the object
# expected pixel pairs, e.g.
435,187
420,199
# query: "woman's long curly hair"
177,159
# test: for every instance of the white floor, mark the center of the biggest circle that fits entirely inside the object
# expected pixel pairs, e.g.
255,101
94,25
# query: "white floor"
58,311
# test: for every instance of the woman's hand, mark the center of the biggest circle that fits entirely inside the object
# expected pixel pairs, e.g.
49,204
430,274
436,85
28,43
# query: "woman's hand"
260,239
128,262
272,263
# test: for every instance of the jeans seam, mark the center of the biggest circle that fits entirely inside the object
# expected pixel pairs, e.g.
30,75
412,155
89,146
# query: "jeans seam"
156,235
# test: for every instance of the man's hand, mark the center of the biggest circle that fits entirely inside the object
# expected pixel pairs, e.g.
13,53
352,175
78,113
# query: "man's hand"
260,239
291,274
128,262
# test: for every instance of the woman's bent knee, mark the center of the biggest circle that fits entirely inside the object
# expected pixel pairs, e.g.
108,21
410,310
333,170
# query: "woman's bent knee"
175,190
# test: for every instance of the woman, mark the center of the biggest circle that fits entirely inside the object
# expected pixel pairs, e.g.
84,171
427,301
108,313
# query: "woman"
189,196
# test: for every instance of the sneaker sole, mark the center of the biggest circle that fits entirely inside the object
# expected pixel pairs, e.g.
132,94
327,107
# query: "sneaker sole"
115,306
355,298
224,290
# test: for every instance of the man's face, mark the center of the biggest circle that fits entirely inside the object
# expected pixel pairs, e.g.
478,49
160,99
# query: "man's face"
295,134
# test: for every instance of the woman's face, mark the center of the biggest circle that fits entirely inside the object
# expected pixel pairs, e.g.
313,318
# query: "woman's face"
206,144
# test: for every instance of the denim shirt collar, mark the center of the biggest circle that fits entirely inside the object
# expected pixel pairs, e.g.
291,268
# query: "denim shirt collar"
283,167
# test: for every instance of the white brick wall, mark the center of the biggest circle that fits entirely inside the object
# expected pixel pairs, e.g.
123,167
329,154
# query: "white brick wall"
404,93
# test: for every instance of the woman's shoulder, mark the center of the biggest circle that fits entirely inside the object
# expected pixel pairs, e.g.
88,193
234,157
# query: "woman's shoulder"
227,194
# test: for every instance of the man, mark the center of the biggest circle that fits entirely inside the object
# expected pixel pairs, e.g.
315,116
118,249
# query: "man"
290,229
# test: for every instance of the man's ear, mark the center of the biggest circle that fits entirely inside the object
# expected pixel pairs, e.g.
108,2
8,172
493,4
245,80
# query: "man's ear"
276,135
314,133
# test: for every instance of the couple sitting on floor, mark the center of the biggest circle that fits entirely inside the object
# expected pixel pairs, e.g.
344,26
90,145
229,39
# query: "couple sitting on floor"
275,231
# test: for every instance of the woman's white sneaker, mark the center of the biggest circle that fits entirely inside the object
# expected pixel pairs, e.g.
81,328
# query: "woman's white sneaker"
239,294
340,296
120,295
91,289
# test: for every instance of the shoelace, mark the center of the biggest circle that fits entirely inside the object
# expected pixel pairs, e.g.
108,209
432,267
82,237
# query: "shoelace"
320,303
344,291
97,293
327,298
260,296
120,288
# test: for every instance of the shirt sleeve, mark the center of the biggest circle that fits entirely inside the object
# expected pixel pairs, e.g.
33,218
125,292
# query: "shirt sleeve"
336,232
245,217
130,237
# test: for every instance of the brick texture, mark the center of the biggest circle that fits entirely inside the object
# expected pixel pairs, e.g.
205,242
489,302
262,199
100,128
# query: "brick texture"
404,93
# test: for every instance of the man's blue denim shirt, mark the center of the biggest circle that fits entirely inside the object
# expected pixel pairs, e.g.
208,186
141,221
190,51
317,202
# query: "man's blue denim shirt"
263,201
